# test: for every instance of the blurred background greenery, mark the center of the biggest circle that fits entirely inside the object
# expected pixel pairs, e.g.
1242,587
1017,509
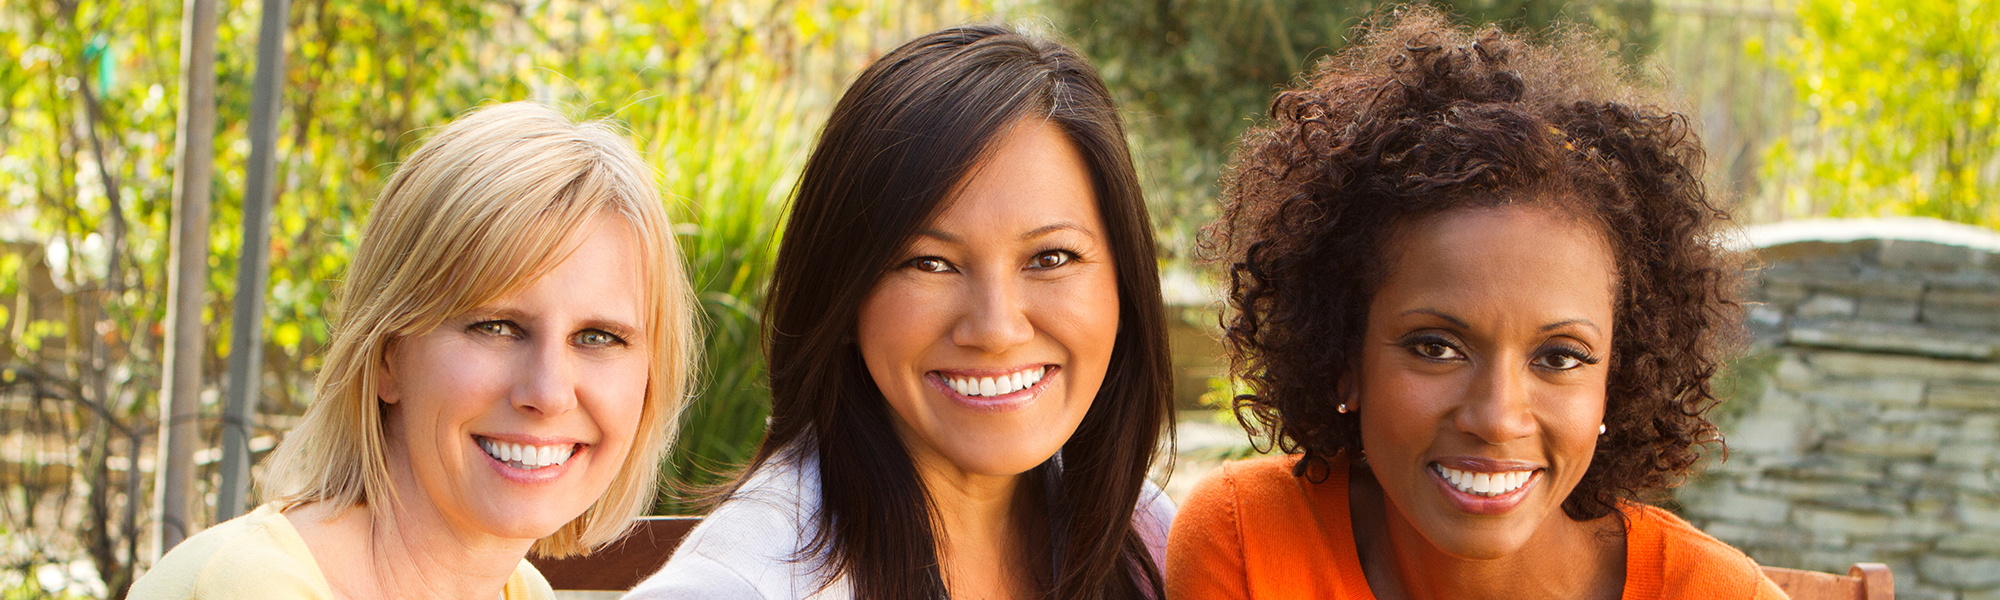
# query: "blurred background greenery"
1808,107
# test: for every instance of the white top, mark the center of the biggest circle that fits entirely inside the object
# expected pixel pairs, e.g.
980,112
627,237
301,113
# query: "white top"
749,547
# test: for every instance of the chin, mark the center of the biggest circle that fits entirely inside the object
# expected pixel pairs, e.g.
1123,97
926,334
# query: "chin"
1001,459
517,525
1000,465
1489,540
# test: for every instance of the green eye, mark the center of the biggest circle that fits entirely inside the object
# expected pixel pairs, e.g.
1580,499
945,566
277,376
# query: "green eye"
596,338
501,328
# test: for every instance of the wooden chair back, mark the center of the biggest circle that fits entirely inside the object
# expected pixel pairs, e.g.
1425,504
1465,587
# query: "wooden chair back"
623,563
626,562
1864,581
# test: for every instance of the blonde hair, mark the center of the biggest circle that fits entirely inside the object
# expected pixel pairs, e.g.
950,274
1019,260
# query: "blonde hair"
493,201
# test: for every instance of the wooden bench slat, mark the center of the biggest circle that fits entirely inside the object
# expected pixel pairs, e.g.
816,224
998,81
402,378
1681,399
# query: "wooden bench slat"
1864,581
623,563
651,540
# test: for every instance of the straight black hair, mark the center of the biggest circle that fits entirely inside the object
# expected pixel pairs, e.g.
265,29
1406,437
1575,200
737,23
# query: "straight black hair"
910,129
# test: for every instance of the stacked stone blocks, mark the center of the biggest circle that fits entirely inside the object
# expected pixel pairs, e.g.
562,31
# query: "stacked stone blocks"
1865,422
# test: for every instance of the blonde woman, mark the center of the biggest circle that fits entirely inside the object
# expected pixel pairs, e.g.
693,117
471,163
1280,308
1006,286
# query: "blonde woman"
515,344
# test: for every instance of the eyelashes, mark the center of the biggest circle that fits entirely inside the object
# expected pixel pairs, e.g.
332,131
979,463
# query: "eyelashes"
588,338
1563,357
1556,356
1041,260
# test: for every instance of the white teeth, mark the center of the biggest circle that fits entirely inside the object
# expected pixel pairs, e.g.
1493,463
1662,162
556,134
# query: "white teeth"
996,386
526,456
1485,484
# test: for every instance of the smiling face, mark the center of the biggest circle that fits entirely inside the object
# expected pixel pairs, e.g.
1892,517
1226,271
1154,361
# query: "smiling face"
1483,373
512,419
991,337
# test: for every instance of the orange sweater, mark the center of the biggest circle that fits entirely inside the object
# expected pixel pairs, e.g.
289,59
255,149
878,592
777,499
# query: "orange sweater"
1252,530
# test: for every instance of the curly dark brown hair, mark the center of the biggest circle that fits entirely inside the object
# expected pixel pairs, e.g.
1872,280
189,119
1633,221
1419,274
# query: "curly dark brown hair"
1426,116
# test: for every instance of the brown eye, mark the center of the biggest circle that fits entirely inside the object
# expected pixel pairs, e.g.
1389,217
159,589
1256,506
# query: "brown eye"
930,264
1050,259
1437,351
1434,348
1559,362
1562,358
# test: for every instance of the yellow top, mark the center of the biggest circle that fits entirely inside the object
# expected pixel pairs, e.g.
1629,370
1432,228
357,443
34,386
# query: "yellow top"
260,556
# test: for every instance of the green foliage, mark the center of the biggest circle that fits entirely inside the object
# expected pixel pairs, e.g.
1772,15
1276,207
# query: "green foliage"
1195,73
723,97
1905,99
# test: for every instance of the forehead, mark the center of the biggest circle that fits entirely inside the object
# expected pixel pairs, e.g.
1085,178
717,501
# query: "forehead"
608,243
1034,175
1507,257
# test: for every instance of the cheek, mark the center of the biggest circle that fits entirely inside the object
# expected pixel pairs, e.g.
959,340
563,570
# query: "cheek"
887,325
898,323
1573,425
622,398
1081,314
1399,407
446,390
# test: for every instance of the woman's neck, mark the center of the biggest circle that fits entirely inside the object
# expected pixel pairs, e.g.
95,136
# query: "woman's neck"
980,546
382,552
1566,559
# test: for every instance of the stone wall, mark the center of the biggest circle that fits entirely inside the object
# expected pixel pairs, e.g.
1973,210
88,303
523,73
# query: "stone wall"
1866,421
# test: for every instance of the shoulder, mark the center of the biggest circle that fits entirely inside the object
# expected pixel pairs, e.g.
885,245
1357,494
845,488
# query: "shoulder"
217,563
1257,481
1669,555
1152,519
527,584
696,575
752,545
1234,503
1246,530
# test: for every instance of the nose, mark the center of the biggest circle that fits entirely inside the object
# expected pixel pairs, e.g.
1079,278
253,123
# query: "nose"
546,384
1498,405
994,318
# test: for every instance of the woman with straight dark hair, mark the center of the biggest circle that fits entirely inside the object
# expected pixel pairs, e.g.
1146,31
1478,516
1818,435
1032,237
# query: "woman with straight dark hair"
967,350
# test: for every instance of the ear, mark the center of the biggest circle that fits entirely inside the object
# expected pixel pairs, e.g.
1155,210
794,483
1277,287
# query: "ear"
386,389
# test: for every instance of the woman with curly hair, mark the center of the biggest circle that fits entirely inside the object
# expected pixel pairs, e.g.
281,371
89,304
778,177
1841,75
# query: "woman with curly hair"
1477,297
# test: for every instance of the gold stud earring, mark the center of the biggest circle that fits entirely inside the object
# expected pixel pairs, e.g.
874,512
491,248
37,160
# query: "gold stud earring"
1342,409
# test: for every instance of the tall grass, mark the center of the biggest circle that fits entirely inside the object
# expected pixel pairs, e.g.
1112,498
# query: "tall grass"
731,159
729,115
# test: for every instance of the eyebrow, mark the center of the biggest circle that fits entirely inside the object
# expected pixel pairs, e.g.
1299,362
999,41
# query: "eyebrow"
1567,322
1439,314
1032,234
611,324
1460,323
